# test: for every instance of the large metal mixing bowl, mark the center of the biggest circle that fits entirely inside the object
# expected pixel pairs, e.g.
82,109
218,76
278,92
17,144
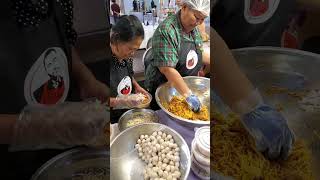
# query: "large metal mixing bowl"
200,86
125,163
293,69
80,163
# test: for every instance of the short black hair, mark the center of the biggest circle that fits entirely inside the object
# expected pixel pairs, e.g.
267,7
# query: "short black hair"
126,29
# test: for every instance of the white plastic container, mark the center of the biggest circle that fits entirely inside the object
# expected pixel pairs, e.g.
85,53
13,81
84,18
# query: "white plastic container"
202,139
203,160
203,174
200,153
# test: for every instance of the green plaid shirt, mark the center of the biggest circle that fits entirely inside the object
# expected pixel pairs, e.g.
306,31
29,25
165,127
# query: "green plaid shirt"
166,45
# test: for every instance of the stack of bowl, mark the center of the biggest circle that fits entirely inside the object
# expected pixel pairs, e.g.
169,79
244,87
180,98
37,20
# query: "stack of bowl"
200,153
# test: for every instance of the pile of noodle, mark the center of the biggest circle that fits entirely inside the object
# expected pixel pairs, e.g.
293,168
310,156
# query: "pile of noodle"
179,107
234,154
282,90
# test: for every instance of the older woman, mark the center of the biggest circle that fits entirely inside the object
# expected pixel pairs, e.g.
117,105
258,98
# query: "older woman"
125,38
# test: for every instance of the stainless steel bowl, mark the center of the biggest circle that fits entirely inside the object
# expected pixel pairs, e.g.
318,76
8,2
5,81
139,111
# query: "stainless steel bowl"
200,86
80,163
292,69
146,105
125,162
137,116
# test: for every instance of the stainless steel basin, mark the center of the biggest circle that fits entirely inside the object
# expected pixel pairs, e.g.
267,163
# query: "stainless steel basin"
292,69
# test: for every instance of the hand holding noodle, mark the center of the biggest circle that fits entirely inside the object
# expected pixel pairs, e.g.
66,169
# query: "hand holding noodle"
180,107
267,126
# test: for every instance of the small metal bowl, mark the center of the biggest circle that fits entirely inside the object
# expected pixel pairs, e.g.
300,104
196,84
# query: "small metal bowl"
147,104
134,117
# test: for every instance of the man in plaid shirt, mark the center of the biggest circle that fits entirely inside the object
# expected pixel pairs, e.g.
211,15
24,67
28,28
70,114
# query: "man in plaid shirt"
177,51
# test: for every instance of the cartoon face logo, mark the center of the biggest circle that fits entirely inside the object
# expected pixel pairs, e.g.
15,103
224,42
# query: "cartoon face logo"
51,63
125,86
47,81
192,59
259,11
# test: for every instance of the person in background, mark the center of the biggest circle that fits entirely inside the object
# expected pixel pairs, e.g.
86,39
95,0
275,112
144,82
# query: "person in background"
125,38
115,8
37,46
177,51
153,5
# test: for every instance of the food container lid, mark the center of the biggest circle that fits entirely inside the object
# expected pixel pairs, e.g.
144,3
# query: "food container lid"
198,171
202,139
203,160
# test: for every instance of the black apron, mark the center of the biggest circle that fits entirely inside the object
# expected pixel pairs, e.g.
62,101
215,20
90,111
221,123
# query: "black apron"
241,25
34,69
120,84
186,66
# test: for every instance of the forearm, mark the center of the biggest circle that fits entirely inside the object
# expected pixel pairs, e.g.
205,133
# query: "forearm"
206,56
231,84
79,70
206,60
175,79
135,83
7,123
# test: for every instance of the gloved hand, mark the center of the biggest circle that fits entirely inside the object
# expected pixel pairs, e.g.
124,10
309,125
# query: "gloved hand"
60,126
193,102
267,126
270,131
129,101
